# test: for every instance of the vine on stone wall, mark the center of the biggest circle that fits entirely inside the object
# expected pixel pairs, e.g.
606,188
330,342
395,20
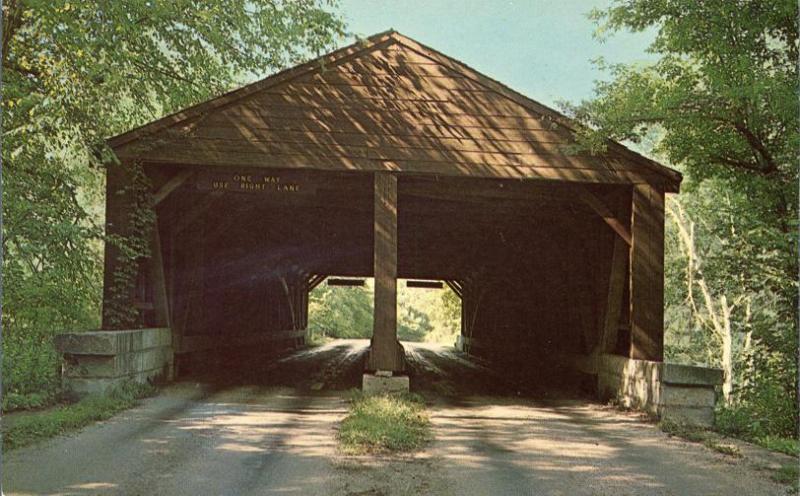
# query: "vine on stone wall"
133,249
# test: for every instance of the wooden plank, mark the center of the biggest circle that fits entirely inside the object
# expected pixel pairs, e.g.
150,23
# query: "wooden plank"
647,274
670,178
541,141
329,163
186,219
616,287
475,104
336,57
373,65
353,112
384,353
544,158
455,286
315,281
605,212
499,152
265,128
174,183
156,268
289,302
406,82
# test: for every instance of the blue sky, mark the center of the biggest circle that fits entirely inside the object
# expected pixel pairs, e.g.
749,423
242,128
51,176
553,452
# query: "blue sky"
541,48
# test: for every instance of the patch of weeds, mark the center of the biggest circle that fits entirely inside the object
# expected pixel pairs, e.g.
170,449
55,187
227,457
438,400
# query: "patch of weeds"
788,474
686,431
384,423
785,445
31,401
725,449
698,434
28,428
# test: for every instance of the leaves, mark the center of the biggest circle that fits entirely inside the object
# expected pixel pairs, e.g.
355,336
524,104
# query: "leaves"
76,73
720,103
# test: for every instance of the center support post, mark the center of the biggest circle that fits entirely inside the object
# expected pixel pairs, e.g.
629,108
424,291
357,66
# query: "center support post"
386,361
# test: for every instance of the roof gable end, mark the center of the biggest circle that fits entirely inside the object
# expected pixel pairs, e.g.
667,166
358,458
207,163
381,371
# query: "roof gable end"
386,103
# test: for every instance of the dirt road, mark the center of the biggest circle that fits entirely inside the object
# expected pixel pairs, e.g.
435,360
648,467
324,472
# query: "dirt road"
272,431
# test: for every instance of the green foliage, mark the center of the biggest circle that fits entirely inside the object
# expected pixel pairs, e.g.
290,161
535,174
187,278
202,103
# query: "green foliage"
788,474
30,401
28,428
431,315
340,312
789,446
425,315
720,104
134,248
384,423
75,73
765,412
742,259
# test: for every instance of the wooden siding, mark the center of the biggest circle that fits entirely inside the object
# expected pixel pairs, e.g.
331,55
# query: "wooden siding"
388,107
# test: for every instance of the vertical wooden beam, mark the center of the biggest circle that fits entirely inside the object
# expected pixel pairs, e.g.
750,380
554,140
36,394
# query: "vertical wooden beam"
647,273
385,351
158,279
290,304
616,288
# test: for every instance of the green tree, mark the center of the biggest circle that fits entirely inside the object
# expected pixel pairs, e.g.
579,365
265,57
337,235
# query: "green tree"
78,72
340,312
720,103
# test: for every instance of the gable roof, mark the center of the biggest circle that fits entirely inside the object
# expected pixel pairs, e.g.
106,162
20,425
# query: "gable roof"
386,103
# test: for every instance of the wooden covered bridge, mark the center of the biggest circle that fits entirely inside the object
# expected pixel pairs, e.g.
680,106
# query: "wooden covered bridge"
389,159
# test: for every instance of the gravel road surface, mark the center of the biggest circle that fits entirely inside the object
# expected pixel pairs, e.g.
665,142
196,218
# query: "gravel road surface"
271,430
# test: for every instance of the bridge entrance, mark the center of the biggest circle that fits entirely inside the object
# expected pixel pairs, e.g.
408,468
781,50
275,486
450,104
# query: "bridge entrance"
390,160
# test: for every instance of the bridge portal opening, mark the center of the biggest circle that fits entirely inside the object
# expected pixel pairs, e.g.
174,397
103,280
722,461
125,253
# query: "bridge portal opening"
342,308
389,160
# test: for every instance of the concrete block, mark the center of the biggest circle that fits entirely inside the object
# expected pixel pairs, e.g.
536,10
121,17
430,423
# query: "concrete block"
95,362
674,373
680,392
116,365
112,342
82,387
376,384
103,385
692,396
701,416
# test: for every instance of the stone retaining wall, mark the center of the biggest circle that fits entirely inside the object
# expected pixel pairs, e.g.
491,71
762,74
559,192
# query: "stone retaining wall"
97,361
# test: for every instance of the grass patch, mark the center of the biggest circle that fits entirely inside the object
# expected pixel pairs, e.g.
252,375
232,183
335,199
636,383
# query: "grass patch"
686,431
384,423
788,474
697,434
30,401
28,428
785,445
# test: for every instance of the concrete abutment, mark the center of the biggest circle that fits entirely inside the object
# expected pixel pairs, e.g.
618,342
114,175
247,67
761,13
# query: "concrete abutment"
681,393
95,362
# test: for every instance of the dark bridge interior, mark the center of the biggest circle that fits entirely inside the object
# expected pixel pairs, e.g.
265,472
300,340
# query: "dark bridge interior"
529,260
389,159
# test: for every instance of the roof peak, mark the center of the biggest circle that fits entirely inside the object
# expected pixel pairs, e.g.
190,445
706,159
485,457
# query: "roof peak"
359,48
